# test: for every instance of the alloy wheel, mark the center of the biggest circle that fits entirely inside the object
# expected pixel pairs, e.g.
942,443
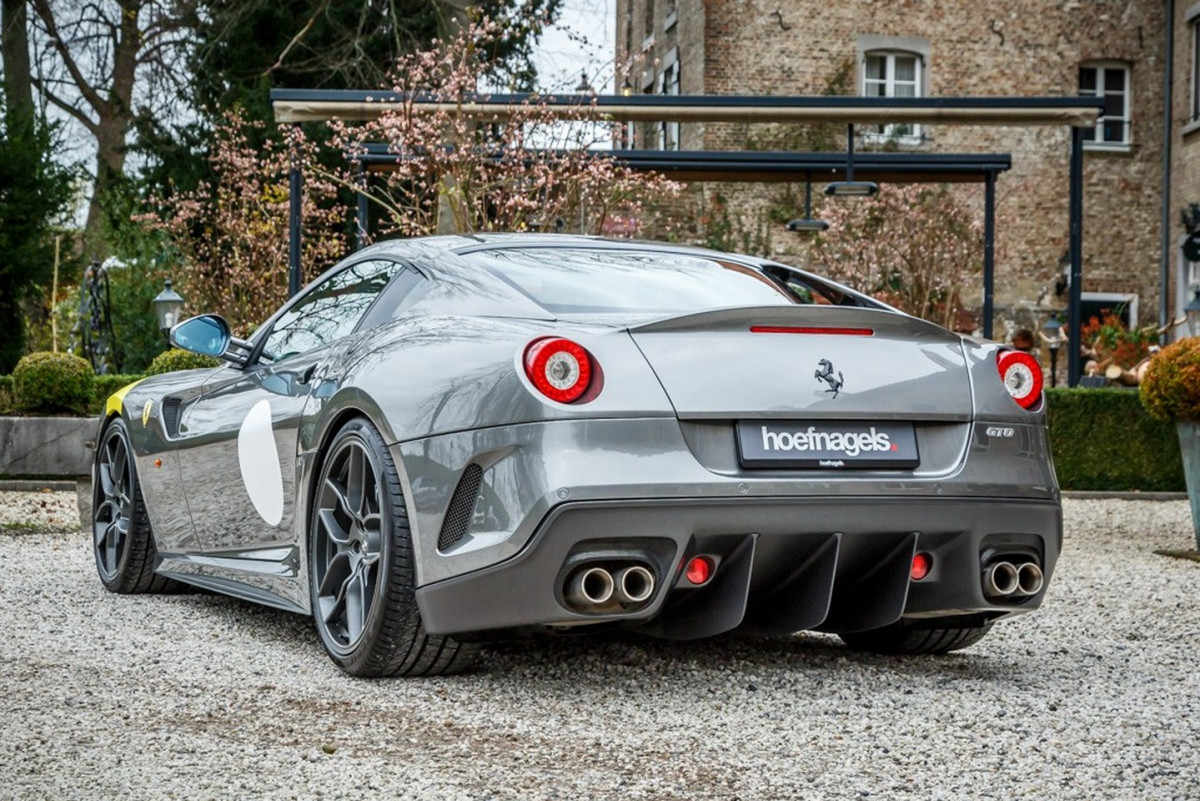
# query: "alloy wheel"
347,544
114,500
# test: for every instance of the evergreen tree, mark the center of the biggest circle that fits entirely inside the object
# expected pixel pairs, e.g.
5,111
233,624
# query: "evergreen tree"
34,190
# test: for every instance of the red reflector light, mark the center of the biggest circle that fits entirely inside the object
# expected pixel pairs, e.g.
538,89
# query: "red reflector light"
1022,377
559,368
699,570
922,562
805,329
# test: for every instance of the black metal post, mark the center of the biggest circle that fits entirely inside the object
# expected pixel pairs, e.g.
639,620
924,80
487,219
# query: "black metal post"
360,218
295,211
1164,308
1053,366
850,153
989,253
1075,250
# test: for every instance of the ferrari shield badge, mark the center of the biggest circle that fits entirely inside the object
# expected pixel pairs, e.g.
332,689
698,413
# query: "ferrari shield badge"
825,373
149,407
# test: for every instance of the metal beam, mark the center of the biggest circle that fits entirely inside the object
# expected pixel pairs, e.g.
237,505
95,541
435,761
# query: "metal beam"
315,105
773,166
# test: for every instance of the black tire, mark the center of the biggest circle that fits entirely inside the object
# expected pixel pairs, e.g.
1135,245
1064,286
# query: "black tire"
925,637
122,539
360,547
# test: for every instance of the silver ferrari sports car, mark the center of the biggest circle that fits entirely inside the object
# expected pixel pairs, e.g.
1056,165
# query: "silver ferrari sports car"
446,440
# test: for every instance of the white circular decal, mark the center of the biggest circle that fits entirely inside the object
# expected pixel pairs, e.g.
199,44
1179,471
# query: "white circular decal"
258,458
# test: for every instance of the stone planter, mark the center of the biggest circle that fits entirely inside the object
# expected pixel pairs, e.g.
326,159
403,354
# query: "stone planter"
46,446
1189,447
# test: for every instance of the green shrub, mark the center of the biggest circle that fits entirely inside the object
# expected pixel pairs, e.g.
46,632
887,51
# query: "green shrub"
53,382
7,404
1102,439
179,359
1170,389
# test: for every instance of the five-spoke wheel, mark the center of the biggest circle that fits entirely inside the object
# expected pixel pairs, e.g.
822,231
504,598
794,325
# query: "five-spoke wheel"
361,567
121,536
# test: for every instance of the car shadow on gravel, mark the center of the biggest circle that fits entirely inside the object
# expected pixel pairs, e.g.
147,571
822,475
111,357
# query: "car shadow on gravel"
804,651
265,628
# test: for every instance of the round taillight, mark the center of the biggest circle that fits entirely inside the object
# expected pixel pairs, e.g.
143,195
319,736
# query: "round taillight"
559,368
699,570
921,564
1022,377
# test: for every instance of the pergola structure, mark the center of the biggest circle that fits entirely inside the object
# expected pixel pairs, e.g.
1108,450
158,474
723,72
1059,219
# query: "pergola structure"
295,106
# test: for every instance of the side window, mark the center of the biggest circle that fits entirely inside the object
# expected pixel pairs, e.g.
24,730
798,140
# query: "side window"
330,310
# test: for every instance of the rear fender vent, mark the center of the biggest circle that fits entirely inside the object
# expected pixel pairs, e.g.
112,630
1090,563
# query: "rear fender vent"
462,505
170,415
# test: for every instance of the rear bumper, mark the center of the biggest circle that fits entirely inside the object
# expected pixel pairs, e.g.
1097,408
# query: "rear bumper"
783,564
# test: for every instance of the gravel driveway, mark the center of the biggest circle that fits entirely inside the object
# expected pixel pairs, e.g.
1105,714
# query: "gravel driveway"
196,696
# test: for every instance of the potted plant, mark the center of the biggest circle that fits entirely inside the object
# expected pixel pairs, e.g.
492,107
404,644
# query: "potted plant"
1170,391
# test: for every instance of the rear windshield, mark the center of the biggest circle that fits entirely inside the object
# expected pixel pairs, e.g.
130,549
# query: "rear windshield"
604,281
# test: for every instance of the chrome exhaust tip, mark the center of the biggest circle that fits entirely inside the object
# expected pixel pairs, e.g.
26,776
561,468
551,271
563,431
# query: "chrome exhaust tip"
1029,579
591,587
1000,580
634,584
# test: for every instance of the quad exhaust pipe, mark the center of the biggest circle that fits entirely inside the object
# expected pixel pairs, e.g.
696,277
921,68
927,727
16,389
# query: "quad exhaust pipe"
591,587
1007,580
596,588
634,584
1029,579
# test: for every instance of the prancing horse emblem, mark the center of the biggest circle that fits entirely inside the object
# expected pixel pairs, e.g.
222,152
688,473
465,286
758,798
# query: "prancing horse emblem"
825,373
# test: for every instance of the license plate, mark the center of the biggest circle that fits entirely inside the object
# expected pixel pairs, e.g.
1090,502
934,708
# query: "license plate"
827,445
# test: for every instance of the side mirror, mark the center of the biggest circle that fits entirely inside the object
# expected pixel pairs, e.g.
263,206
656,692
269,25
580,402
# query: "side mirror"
209,335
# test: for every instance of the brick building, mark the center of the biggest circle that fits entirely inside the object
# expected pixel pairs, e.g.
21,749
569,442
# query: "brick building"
1114,48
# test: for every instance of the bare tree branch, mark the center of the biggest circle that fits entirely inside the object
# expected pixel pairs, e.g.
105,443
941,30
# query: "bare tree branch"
87,122
86,89
296,39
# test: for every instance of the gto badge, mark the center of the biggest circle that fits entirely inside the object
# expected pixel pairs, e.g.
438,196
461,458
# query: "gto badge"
1000,431
825,373
149,407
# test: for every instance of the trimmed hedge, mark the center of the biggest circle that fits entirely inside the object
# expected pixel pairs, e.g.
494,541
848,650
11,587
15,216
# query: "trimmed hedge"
104,385
1103,439
53,382
178,359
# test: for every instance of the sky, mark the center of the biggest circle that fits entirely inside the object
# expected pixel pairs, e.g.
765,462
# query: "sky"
583,40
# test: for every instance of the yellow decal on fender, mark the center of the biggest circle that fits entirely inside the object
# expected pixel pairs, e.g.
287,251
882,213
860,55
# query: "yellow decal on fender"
115,400
149,407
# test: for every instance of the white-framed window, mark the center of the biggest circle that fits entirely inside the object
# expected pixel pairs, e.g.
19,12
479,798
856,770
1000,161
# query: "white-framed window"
892,73
1110,81
668,84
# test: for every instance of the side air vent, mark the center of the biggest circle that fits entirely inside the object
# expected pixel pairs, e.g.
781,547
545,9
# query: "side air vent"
170,415
458,516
